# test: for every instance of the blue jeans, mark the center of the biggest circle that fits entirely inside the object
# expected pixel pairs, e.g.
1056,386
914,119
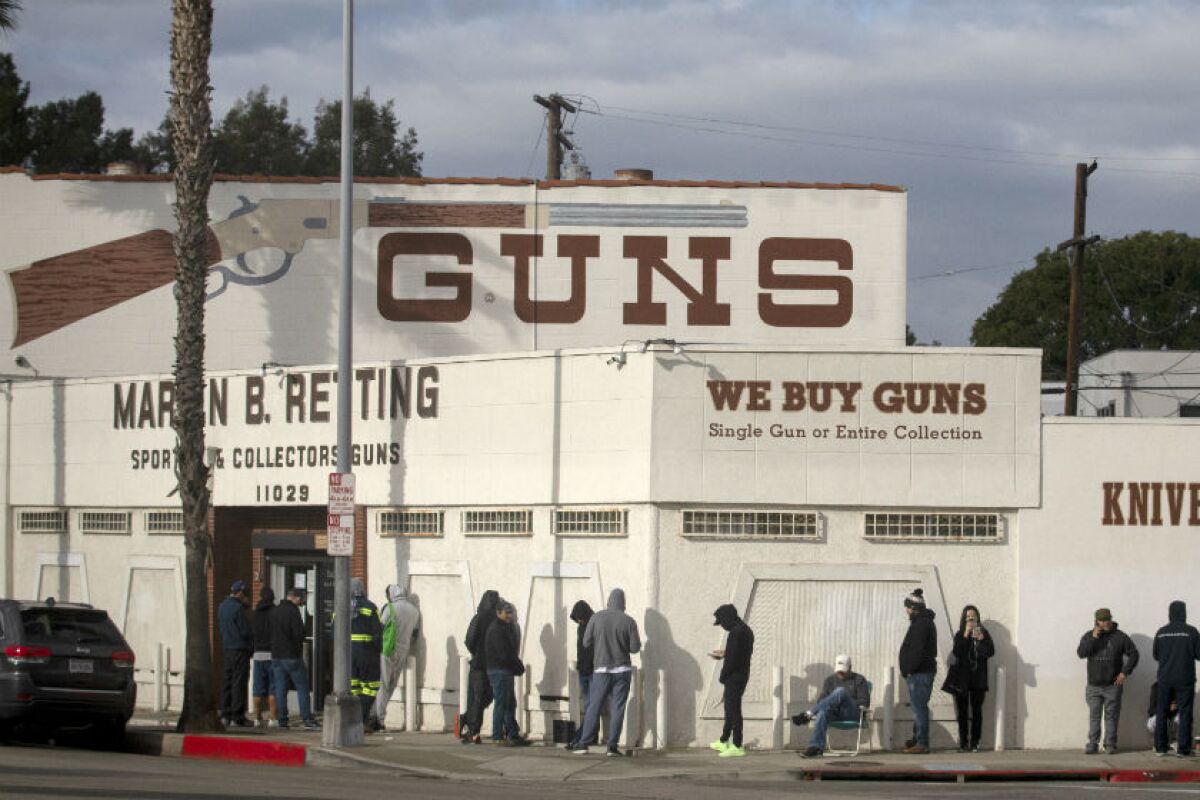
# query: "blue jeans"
920,686
291,670
504,712
615,686
837,707
264,678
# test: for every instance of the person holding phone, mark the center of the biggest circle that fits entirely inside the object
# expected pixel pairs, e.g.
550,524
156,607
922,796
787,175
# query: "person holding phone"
1111,657
969,677
735,674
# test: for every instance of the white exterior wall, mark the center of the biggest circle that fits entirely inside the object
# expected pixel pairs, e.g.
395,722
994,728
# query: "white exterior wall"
1071,563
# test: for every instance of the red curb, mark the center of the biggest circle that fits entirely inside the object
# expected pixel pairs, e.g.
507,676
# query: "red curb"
1154,776
228,748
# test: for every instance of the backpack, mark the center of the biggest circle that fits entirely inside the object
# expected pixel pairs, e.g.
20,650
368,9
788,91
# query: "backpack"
389,635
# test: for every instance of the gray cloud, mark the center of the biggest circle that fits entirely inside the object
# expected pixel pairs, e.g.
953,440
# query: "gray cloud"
1042,84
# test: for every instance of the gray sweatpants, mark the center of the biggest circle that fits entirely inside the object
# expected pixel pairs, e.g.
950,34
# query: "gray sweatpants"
1108,698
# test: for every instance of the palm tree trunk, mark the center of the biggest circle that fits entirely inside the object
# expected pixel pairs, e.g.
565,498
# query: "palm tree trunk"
191,131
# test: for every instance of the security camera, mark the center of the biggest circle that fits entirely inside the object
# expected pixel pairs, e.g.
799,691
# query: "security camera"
22,362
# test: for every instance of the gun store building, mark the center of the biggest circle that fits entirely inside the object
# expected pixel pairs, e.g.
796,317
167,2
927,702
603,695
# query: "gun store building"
695,391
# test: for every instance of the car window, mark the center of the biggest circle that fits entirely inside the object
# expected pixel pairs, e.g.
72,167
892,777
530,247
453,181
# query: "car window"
68,625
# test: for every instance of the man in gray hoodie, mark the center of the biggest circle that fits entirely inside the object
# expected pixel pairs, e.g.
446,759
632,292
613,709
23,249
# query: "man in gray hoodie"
401,622
614,636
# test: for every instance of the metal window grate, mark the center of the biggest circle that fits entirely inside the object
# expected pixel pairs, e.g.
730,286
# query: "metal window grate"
940,527
43,522
508,521
411,523
591,522
742,523
105,522
164,522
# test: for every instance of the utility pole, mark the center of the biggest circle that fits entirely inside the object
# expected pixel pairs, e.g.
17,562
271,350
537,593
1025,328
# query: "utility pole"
1077,243
556,140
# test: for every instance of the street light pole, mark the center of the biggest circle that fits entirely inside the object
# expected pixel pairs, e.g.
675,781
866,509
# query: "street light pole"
343,713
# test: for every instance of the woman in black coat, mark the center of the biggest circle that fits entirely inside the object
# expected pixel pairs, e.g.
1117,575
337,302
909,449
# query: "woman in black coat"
968,678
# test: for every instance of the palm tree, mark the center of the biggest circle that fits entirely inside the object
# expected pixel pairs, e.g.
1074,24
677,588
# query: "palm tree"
191,134
8,14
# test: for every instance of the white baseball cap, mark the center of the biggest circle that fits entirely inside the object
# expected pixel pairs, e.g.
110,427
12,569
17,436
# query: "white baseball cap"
842,663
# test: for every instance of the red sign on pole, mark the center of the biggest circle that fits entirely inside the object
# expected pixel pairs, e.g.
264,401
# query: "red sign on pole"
340,523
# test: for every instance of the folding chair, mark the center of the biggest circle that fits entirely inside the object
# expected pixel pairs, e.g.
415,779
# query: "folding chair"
865,718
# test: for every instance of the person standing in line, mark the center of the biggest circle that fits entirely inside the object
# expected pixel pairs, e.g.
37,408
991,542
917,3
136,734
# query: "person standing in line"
1176,649
918,664
401,623
366,639
503,668
1111,657
479,691
287,658
968,678
614,635
735,674
260,626
237,642
581,614
843,697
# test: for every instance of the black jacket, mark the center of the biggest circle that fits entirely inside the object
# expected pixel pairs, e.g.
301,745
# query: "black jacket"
287,631
1107,656
485,615
260,620
500,648
1176,648
918,651
971,656
581,612
739,645
235,628
854,684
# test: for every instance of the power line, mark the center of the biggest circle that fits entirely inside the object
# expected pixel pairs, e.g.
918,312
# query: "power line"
896,140
950,273
883,150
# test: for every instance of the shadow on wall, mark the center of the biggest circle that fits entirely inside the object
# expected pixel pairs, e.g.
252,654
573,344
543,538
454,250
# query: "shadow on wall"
802,693
557,653
684,678
1019,678
452,688
1135,700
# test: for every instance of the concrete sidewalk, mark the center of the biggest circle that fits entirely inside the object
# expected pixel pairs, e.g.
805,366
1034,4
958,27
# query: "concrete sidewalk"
439,755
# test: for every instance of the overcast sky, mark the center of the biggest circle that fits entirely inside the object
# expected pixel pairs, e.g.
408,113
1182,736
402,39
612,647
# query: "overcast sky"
980,109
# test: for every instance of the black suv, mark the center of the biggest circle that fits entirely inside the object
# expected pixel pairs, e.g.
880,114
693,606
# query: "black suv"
64,665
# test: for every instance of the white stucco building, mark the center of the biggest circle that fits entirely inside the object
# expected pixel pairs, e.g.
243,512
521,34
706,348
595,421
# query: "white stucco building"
697,392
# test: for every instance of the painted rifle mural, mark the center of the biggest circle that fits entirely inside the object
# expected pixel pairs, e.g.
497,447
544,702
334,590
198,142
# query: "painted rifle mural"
54,292
445,268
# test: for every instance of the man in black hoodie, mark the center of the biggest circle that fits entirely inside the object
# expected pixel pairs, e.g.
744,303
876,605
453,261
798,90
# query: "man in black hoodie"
260,624
735,673
479,691
581,613
918,664
1176,649
503,667
1111,658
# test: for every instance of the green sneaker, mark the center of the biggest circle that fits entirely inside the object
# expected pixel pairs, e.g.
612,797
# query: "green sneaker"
720,746
732,751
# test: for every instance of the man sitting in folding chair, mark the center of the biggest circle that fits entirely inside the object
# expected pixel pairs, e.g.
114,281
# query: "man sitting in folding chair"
844,697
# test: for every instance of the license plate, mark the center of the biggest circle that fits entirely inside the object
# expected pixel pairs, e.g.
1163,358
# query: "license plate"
80,665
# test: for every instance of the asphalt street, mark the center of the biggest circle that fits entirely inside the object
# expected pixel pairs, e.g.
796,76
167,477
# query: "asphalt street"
46,772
